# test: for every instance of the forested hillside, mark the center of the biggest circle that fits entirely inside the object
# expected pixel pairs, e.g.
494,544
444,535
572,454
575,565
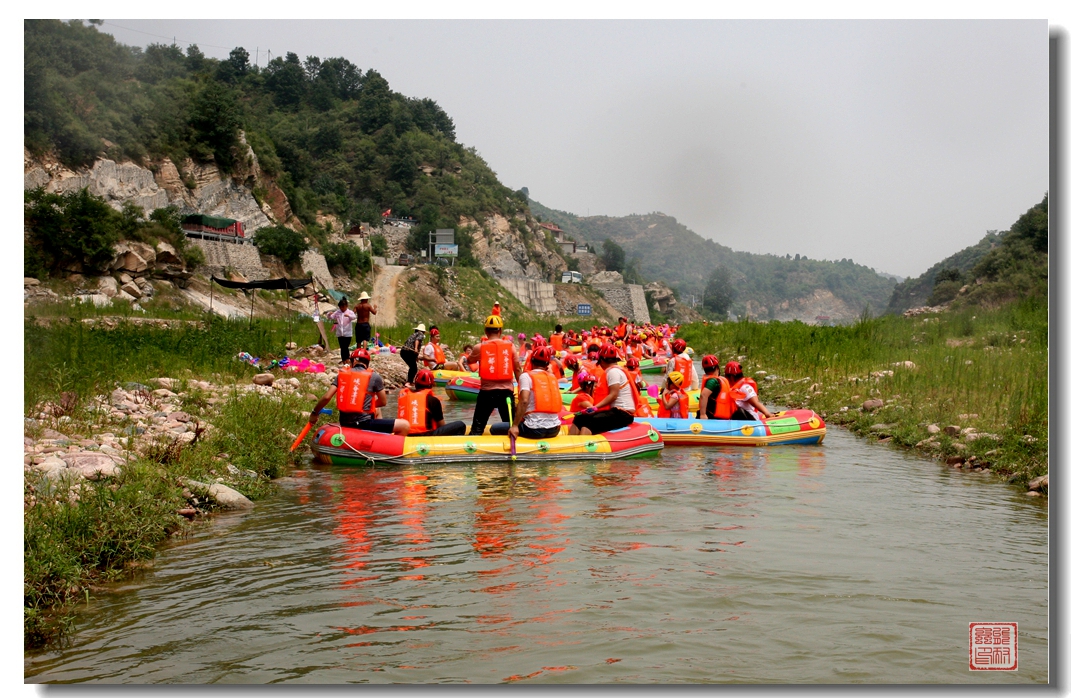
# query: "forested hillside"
334,136
1000,267
766,286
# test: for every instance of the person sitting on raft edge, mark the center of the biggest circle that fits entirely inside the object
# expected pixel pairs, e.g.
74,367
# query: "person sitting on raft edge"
424,411
714,400
615,399
745,392
539,401
360,393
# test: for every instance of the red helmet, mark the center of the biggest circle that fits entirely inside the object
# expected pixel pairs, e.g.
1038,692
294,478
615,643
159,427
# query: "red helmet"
570,361
632,363
679,345
709,362
539,342
608,353
542,354
362,356
593,348
733,368
424,379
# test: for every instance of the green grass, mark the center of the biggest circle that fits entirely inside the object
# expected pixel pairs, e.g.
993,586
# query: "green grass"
992,363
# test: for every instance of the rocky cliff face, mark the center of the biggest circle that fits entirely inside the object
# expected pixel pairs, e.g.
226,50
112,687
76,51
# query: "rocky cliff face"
513,248
195,188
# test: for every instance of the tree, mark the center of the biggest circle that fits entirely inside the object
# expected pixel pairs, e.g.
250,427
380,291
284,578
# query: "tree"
281,242
613,256
214,119
286,80
720,292
373,108
67,229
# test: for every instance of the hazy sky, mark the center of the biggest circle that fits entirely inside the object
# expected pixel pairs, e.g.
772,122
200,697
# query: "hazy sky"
893,143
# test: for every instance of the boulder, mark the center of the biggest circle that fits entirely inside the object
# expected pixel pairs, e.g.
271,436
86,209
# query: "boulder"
131,262
30,282
955,460
952,430
125,278
1039,483
933,429
108,286
224,497
166,254
263,379
871,405
131,289
607,277
168,383
145,286
93,466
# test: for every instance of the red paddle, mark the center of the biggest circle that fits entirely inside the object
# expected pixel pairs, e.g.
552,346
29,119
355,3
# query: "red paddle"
301,437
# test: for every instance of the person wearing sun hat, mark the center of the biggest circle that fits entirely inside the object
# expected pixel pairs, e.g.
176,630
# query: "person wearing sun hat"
362,328
411,349
496,309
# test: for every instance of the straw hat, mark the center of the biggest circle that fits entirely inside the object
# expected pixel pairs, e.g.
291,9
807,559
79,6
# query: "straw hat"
364,296
420,328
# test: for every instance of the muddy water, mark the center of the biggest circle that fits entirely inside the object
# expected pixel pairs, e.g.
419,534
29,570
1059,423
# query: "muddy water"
844,562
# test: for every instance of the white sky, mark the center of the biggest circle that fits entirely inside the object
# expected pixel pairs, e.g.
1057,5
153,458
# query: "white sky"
894,143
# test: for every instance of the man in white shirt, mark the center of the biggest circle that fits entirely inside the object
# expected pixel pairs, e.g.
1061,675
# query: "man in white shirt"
539,405
615,407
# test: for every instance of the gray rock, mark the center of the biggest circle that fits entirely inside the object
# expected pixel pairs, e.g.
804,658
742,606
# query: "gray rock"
180,416
223,496
263,379
1040,482
29,282
131,289
952,430
871,405
108,286
93,466
955,460
933,429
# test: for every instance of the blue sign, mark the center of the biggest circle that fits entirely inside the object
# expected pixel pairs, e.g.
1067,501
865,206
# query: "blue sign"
583,308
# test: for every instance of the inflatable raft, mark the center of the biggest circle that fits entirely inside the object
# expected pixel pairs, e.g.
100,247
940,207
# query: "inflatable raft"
442,376
791,427
337,445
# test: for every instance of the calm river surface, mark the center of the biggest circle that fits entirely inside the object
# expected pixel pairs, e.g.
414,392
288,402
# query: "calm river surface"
845,562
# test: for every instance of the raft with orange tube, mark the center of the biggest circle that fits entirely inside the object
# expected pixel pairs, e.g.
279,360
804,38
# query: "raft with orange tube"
338,445
784,428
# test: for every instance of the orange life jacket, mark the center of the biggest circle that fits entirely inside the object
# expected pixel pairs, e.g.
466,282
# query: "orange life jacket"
556,369
732,394
620,331
723,402
643,408
678,411
683,363
557,341
602,389
352,390
413,407
496,360
548,399
440,355
581,402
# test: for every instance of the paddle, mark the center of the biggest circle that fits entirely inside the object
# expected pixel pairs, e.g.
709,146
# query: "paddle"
301,437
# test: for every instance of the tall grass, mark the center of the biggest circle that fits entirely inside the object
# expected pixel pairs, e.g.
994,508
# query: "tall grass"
992,363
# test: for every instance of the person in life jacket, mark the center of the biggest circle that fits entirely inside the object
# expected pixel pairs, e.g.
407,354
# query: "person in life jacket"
673,398
682,361
572,364
632,368
539,401
359,393
714,400
621,331
498,365
584,396
424,411
744,393
433,356
496,309
617,408
557,339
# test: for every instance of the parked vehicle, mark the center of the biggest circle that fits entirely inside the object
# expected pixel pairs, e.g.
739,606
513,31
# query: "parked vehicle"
405,260
572,277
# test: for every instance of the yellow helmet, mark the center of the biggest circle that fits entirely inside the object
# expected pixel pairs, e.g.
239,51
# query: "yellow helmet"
676,378
493,322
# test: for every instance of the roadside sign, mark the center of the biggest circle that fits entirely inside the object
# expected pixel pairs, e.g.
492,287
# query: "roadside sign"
446,250
583,308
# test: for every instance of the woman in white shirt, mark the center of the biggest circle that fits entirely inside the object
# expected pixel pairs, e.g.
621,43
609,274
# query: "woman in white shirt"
343,318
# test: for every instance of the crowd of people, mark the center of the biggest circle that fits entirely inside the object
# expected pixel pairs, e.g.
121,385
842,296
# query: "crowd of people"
519,378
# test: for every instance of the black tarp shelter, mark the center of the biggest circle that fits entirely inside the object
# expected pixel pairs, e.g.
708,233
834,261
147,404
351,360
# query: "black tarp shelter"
268,284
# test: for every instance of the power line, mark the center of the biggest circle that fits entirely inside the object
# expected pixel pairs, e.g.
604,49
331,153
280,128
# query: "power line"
160,36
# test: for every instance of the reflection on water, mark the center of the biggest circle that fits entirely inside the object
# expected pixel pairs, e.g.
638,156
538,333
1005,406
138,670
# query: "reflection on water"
836,563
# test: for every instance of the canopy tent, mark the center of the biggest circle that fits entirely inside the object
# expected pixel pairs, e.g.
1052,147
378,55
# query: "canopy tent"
210,221
271,285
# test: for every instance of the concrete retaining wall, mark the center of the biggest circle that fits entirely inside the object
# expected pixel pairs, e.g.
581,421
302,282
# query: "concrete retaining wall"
315,266
244,259
627,299
537,295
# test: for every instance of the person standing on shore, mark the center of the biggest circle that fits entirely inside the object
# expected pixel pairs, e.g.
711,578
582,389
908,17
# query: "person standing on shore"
343,319
364,310
411,349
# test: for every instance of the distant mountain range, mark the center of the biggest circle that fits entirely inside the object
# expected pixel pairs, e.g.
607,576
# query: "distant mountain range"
767,286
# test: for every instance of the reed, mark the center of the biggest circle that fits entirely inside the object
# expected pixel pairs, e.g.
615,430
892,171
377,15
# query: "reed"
988,364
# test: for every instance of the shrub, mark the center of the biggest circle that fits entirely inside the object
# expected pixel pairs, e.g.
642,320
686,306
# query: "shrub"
379,245
348,256
281,242
66,229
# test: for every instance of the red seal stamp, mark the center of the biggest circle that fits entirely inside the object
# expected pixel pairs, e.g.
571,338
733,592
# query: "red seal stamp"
994,647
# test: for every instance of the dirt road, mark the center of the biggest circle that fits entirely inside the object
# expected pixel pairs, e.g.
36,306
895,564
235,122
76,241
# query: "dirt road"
384,292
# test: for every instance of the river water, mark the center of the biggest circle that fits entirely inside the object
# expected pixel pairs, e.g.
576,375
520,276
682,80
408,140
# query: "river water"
844,562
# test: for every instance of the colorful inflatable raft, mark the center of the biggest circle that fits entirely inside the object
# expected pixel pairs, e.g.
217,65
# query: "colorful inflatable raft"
442,376
336,445
791,427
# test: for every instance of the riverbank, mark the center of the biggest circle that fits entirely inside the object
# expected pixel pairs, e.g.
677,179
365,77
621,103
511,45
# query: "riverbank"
132,434
968,387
